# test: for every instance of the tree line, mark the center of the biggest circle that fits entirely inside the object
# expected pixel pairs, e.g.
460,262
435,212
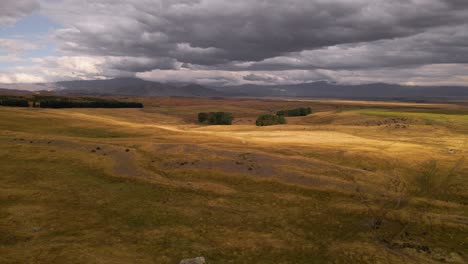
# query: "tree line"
89,104
14,102
63,102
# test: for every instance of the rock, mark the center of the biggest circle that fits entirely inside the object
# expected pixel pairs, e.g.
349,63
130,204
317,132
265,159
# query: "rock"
455,258
197,260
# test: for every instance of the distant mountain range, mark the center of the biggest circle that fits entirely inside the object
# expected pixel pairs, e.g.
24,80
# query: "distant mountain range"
138,87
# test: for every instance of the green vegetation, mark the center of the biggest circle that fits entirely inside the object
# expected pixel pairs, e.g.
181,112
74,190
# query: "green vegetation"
270,120
427,115
215,118
301,111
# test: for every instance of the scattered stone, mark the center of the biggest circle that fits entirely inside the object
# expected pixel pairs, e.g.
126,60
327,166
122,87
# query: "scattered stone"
418,248
197,260
98,148
455,258
93,150
127,150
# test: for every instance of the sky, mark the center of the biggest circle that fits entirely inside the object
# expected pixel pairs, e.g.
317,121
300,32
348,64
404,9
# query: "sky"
226,42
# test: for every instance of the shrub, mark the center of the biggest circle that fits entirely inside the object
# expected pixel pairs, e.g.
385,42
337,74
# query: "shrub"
215,118
269,120
203,117
302,111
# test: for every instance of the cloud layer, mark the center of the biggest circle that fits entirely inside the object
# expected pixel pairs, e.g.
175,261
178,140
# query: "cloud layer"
256,41
11,11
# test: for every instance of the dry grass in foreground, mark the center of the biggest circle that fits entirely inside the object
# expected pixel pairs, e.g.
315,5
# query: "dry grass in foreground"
355,182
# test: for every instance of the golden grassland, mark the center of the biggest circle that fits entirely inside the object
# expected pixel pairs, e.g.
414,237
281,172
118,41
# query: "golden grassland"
355,182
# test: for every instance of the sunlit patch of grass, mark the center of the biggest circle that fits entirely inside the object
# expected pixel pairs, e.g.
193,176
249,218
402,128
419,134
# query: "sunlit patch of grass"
35,122
422,115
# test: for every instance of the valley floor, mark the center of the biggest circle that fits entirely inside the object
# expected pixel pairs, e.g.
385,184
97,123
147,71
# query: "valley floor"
355,182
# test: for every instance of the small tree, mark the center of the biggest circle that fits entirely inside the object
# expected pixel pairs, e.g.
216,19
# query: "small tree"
302,111
202,117
215,118
269,120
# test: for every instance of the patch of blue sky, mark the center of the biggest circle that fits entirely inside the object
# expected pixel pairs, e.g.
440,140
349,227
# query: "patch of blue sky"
33,29
30,26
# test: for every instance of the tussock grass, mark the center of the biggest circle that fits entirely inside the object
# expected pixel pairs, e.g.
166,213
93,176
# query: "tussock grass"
160,188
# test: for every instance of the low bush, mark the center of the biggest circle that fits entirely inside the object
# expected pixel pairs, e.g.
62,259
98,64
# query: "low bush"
302,111
269,120
215,118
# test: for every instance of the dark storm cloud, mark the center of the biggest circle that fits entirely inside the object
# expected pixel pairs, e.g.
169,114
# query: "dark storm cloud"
259,41
441,45
220,31
10,11
256,78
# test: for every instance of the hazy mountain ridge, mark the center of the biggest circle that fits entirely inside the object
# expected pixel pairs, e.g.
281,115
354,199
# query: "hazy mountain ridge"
325,89
133,87
144,88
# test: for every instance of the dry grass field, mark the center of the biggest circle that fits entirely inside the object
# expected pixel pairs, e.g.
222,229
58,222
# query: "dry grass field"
355,182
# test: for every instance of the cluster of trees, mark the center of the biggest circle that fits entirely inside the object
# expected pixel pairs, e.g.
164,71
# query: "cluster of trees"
89,104
14,102
215,118
302,111
224,118
269,120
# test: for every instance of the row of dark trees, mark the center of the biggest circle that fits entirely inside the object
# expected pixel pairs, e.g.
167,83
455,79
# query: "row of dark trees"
14,102
90,104
215,118
63,102
278,119
302,111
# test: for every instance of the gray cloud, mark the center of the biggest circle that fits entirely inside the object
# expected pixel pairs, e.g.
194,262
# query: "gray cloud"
11,11
261,41
220,31
255,78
